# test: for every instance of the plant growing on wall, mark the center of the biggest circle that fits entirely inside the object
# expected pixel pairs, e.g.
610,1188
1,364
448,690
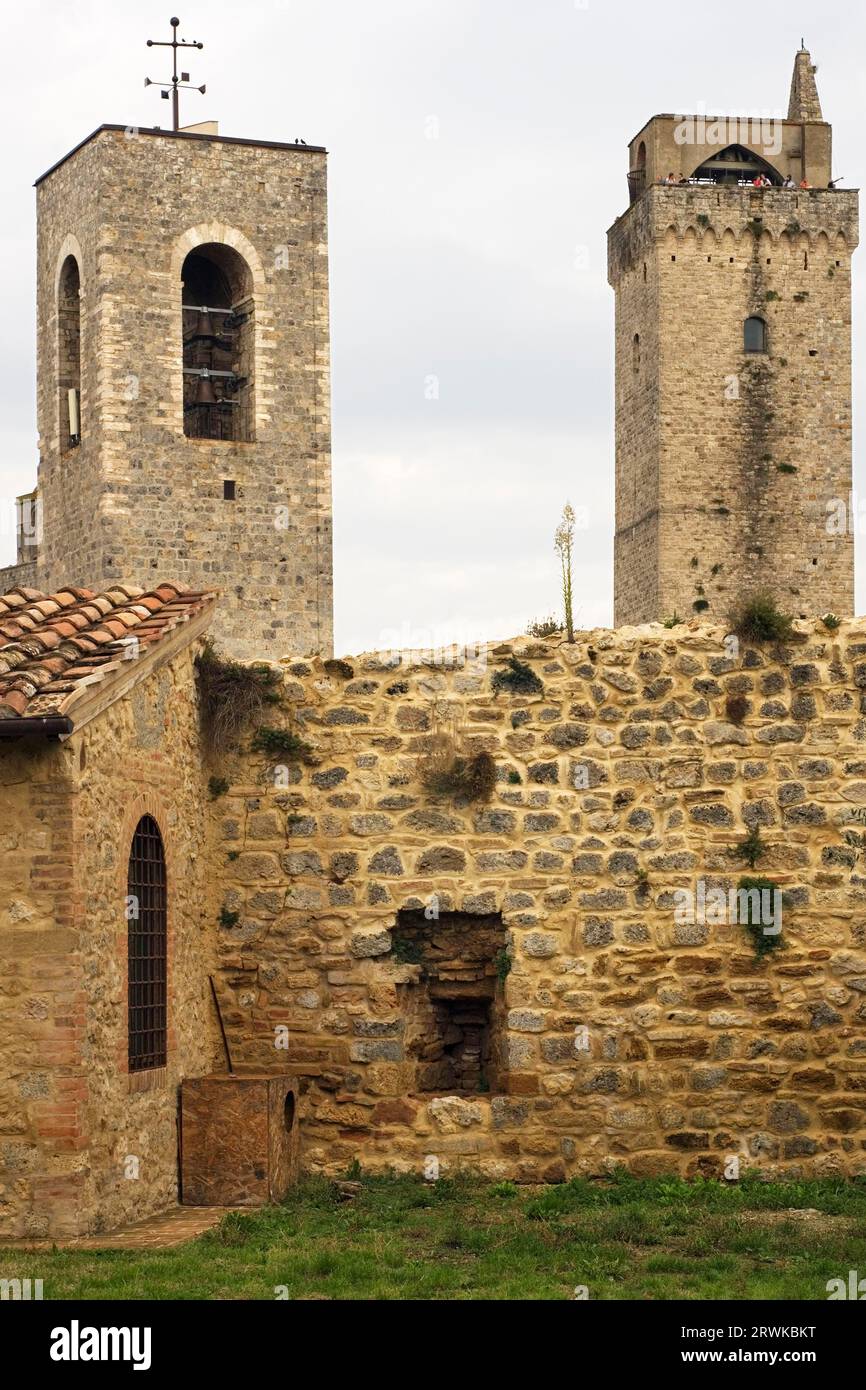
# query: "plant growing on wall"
751,849
447,769
232,695
759,900
283,743
563,540
543,627
758,619
518,679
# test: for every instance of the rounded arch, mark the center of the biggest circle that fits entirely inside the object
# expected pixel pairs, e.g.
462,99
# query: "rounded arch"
220,278
70,246
217,233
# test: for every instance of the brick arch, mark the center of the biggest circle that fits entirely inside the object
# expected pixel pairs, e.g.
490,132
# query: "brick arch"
146,804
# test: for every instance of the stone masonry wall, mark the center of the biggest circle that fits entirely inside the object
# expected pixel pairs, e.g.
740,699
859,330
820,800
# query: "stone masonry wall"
142,756
631,1035
71,1115
725,488
137,499
42,998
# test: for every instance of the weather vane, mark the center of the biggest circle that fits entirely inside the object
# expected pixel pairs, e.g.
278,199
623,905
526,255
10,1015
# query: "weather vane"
177,81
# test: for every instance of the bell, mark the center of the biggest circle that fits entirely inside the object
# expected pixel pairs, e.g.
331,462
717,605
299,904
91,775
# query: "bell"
204,392
204,327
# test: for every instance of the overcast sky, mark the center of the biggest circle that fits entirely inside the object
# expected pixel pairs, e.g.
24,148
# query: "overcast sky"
477,157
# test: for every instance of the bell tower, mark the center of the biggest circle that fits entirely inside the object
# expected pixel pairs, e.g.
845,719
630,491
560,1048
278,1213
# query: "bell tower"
732,274
183,376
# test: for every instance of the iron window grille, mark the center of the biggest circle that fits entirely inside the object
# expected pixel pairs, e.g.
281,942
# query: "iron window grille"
147,946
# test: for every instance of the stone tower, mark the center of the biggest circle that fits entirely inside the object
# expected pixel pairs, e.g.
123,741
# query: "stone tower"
733,366
183,376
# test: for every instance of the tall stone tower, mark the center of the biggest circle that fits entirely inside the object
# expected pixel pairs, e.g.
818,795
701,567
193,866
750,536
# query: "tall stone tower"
183,376
733,366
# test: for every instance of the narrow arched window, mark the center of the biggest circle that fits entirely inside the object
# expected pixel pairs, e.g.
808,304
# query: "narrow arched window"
218,344
635,353
69,354
755,335
147,949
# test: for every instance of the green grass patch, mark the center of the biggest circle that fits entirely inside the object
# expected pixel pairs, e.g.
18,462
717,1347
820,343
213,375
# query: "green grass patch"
400,1238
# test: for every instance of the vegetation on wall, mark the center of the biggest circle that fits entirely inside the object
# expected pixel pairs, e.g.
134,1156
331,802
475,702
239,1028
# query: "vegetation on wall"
758,619
447,769
543,627
763,940
751,849
563,541
283,743
518,679
232,695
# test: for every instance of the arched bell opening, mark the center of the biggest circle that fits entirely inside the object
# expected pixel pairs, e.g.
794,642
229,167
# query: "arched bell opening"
218,344
736,165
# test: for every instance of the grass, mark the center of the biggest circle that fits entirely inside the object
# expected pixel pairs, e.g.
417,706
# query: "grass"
400,1239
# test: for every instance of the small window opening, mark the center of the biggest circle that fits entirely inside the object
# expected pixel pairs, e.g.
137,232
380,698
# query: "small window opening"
229,489
635,353
813,352
69,354
755,334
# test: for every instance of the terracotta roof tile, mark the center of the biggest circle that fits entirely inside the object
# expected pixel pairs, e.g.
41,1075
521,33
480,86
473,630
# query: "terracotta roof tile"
54,645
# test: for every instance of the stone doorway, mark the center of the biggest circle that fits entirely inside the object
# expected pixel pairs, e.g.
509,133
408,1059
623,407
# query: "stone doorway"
454,1011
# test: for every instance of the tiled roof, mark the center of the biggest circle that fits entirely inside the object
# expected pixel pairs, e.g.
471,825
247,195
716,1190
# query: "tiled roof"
53,647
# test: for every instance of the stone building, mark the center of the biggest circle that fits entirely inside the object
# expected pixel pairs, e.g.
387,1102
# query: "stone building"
183,378
733,366
551,972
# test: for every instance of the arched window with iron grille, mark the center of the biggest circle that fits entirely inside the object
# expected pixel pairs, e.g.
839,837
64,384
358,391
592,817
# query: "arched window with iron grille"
147,948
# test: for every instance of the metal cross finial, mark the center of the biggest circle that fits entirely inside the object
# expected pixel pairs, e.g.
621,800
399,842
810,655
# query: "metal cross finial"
176,81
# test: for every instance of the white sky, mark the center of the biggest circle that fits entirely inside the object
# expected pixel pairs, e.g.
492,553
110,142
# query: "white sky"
477,257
